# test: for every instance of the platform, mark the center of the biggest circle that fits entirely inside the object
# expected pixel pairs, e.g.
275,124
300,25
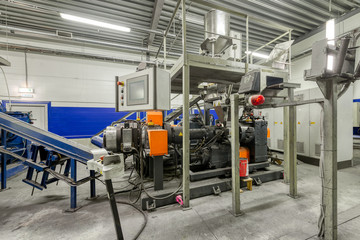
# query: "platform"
205,187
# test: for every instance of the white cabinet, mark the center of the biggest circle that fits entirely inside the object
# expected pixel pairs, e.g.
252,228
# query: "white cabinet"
309,122
302,123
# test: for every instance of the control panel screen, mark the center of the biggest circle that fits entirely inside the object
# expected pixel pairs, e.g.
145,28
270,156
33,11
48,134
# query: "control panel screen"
137,90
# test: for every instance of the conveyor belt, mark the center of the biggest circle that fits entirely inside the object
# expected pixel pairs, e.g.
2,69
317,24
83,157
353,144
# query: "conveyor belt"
47,139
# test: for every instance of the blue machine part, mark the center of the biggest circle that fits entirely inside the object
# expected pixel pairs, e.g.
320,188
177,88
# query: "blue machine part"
98,140
12,140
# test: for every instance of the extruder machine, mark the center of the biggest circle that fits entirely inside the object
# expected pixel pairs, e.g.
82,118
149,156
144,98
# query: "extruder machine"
154,146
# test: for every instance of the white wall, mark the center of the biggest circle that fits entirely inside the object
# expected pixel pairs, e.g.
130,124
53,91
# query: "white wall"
63,81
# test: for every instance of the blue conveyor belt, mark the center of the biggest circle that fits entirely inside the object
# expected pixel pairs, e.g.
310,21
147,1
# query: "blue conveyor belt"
47,139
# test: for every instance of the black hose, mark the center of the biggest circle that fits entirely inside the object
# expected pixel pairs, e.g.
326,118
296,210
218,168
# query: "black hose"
142,212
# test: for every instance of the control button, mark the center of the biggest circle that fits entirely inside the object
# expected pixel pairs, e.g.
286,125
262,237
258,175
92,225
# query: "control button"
122,91
122,97
120,83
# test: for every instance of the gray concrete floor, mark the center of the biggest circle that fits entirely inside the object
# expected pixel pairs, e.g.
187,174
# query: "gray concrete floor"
268,212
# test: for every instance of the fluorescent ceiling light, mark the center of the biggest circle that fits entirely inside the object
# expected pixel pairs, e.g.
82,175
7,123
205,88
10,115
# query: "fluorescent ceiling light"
330,35
255,54
94,22
26,90
330,31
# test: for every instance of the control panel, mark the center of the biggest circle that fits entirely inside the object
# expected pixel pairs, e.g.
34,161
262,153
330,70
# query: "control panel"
148,89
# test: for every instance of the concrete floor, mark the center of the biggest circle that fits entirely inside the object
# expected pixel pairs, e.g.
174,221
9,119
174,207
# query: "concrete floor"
268,212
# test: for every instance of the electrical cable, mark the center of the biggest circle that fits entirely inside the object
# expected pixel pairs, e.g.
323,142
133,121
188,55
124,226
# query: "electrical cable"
142,212
321,221
7,86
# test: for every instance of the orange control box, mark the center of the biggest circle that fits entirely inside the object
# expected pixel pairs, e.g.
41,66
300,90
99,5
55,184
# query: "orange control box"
158,142
154,117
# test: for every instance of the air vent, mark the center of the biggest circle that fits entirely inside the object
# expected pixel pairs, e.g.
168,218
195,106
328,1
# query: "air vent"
63,34
280,144
300,147
317,149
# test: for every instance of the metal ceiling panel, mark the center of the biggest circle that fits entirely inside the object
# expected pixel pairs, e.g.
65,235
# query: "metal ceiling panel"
43,15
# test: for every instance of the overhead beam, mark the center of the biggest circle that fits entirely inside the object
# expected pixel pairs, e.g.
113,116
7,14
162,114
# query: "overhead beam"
155,19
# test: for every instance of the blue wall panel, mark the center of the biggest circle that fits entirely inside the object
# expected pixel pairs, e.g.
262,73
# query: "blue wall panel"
81,122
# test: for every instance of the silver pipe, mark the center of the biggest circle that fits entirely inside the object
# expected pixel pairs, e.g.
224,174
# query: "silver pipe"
340,58
168,26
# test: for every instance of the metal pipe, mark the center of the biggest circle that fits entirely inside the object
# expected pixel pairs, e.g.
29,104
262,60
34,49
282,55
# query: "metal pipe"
169,25
247,45
165,52
340,58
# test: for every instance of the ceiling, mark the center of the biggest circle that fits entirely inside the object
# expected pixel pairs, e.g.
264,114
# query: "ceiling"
145,17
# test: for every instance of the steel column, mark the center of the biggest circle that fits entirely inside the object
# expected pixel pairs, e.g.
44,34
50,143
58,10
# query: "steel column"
286,145
3,160
73,173
329,185
186,116
235,171
292,147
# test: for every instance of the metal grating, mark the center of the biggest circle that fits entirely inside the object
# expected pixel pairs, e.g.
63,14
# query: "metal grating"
300,147
280,144
317,149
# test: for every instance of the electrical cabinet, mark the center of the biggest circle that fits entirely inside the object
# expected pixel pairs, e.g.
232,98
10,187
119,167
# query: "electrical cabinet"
309,125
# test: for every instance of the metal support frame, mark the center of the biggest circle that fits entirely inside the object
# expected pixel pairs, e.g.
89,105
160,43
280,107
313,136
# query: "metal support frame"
235,145
158,172
3,160
329,153
291,143
73,190
114,210
186,116
92,185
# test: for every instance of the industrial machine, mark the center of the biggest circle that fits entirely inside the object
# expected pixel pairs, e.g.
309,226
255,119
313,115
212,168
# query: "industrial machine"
154,146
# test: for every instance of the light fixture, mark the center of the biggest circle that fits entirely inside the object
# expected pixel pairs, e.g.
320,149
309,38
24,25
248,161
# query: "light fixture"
26,90
255,54
330,35
94,22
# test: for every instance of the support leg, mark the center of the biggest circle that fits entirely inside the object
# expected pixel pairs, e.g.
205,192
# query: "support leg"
235,161
286,146
329,186
114,210
292,148
3,160
92,185
73,173
158,173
